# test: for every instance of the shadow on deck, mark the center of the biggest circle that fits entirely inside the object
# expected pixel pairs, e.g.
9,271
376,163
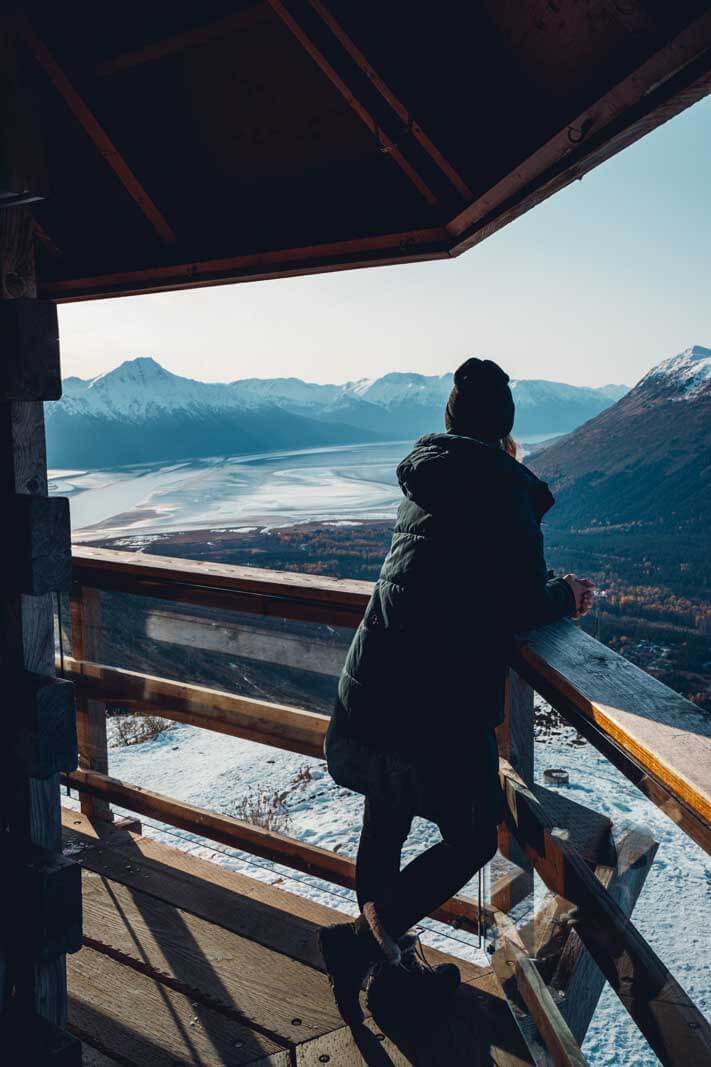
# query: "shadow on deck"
186,963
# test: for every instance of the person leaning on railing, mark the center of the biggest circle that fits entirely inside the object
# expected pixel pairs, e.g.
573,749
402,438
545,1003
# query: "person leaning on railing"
422,689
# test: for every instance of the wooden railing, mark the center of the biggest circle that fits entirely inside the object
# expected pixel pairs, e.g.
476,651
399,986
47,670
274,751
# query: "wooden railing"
660,741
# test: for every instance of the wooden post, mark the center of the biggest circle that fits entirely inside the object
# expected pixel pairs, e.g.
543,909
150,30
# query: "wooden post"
85,609
35,982
515,742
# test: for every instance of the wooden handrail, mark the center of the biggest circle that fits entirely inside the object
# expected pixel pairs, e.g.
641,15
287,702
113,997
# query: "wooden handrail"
278,725
659,740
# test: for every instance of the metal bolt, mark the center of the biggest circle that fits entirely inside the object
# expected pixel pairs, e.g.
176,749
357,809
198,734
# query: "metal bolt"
296,1022
324,1058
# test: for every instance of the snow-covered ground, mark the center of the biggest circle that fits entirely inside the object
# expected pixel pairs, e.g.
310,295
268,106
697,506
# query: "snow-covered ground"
224,774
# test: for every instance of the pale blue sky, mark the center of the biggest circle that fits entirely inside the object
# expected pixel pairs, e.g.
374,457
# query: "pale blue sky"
596,285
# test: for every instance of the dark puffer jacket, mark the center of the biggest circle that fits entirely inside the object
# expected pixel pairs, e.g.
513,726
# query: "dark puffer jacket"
423,683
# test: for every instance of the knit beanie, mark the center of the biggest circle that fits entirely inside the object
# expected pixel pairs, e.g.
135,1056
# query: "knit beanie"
480,404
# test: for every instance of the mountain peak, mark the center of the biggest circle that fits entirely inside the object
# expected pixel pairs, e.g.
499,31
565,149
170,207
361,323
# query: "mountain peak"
687,373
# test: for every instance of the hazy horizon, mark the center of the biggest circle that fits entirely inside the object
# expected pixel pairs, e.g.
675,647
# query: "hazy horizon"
592,287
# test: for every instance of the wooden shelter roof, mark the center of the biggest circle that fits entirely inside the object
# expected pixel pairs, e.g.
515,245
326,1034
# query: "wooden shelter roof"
198,144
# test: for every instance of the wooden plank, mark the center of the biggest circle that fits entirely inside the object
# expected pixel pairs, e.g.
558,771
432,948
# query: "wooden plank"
577,975
515,744
319,862
667,735
180,42
42,735
133,572
85,615
282,921
96,133
91,1057
479,1031
409,246
39,540
671,1023
279,725
559,1041
237,638
414,129
264,989
387,145
30,345
116,1009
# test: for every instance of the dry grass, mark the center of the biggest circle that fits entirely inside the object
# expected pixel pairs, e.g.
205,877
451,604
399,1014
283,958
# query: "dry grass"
133,729
263,809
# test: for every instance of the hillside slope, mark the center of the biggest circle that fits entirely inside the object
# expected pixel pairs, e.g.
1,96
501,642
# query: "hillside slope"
646,460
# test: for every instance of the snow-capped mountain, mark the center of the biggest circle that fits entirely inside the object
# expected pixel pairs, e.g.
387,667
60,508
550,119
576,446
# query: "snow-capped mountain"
687,375
639,461
140,411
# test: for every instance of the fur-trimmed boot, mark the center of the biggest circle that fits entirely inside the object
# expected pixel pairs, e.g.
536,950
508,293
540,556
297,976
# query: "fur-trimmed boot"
349,951
414,995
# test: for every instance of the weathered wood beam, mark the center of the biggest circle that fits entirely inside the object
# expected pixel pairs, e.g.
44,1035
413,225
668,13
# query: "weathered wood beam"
92,740
671,80
556,1035
403,113
31,815
29,368
577,976
42,909
39,540
181,42
663,738
42,733
671,1023
339,602
515,744
409,246
388,146
256,840
96,133
281,726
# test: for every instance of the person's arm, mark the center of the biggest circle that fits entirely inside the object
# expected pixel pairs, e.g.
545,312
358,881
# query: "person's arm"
526,596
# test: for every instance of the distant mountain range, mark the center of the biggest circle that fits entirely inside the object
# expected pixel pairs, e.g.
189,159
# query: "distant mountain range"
645,460
141,412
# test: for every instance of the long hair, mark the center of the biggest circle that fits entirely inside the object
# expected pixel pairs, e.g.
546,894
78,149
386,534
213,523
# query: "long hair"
509,446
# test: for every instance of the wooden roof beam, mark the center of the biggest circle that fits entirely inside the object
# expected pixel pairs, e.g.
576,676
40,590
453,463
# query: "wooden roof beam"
95,132
389,96
180,42
388,146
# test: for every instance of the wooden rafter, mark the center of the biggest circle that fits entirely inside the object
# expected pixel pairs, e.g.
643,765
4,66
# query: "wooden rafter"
389,96
95,132
387,144
180,42
382,249
674,78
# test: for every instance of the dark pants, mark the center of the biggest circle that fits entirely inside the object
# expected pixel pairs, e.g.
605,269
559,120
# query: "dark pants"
403,898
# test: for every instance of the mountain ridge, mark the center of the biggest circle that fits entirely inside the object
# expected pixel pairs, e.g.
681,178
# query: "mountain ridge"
141,410
638,462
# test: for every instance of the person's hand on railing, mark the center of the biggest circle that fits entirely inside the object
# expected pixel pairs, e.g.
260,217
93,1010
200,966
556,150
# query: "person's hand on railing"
583,590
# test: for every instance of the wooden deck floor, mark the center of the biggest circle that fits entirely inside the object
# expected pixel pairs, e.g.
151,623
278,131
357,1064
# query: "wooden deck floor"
186,963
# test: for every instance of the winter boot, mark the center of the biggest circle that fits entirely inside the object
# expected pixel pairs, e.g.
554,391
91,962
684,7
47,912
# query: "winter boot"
412,996
349,950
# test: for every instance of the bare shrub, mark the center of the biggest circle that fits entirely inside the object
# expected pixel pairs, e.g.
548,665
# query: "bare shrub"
263,809
133,729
